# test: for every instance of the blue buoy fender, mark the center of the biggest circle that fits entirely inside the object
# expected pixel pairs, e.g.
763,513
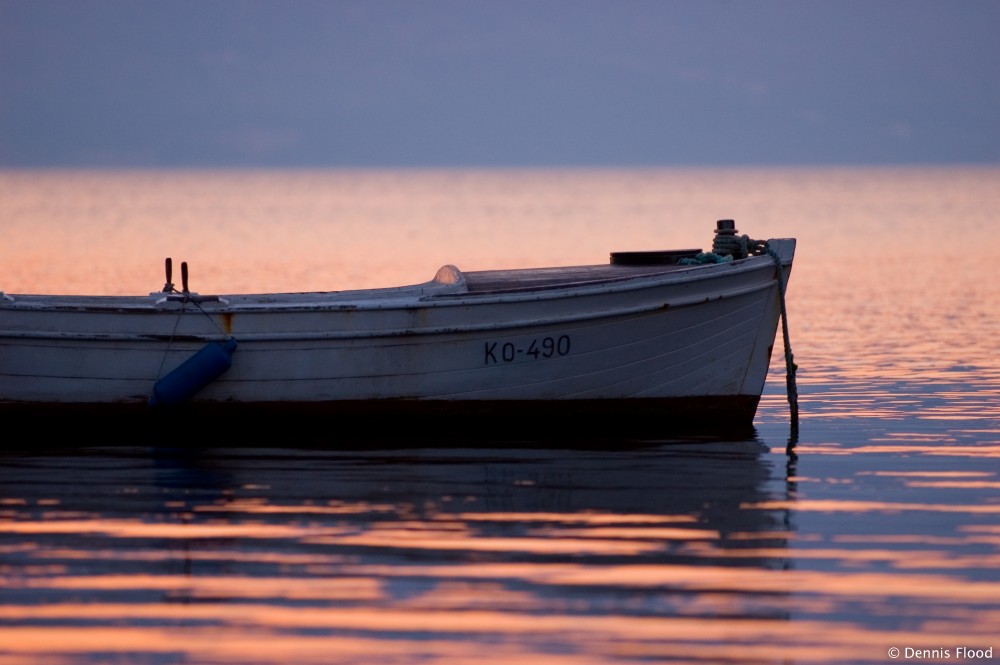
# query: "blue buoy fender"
195,373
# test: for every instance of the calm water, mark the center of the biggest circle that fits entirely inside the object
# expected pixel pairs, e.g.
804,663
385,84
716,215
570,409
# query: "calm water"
884,531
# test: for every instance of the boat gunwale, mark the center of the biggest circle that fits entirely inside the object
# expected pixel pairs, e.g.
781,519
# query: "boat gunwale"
429,294
399,332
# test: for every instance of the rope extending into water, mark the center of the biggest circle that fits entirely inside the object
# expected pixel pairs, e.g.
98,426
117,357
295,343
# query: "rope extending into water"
790,366
728,246
742,247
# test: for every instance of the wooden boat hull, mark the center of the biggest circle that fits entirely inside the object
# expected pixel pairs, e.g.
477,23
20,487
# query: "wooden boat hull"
686,344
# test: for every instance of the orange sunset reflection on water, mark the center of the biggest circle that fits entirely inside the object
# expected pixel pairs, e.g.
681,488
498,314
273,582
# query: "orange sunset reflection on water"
883,532
241,556
242,590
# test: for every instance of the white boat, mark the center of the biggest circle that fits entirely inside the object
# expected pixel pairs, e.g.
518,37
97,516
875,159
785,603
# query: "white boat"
642,339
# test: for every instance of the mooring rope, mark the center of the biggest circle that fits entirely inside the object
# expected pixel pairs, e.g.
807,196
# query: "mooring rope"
726,247
790,366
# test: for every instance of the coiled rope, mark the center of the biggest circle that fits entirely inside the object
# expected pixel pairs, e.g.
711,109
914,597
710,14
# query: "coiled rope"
739,247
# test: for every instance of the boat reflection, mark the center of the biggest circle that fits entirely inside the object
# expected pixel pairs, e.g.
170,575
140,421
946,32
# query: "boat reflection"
436,555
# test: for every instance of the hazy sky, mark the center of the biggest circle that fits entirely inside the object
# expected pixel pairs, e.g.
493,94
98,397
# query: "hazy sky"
498,82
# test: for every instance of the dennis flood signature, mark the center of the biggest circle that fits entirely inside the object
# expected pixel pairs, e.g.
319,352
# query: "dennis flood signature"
959,653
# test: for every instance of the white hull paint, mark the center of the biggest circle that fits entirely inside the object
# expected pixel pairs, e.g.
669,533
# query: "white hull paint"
605,335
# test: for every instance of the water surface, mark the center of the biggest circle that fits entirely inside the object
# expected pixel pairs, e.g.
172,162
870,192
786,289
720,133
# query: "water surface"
882,531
